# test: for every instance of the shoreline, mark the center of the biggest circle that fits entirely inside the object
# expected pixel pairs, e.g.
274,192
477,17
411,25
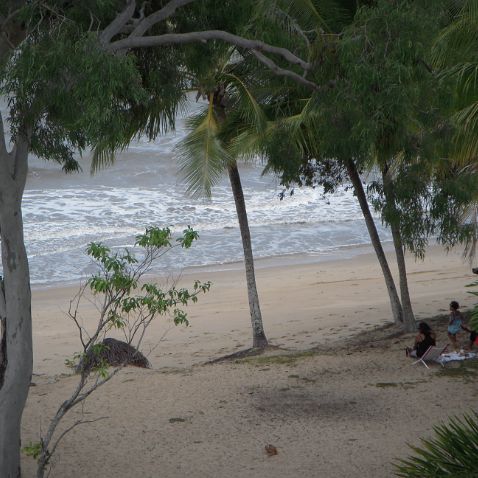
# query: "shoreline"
339,254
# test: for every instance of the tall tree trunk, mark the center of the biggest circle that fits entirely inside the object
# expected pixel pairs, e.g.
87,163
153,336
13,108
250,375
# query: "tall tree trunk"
15,307
408,316
258,336
259,339
376,243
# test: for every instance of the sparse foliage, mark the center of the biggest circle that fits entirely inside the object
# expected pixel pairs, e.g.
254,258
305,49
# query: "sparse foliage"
451,452
126,306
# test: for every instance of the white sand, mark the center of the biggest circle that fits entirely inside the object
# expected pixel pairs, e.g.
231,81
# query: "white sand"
331,414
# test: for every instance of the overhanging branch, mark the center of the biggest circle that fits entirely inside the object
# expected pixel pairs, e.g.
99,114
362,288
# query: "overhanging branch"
156,17
118,23
192,37
277,70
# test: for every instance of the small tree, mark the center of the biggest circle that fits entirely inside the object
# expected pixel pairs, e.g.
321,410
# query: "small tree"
125,305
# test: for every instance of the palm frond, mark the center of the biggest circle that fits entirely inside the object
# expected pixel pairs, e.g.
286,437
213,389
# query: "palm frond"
465,76
247,106
250,143
458,39
450,453
466,138
202,157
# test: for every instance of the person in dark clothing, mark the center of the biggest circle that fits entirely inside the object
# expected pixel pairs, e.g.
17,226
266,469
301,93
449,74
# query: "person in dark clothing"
424,339
473,336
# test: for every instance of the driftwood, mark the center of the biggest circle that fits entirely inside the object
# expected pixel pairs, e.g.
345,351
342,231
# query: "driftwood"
114,353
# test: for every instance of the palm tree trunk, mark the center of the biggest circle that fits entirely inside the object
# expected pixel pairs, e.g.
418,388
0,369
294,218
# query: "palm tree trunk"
15,309
376,243
259,339
408,316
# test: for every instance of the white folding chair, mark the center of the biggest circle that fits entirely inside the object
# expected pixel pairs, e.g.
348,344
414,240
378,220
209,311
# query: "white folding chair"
432,354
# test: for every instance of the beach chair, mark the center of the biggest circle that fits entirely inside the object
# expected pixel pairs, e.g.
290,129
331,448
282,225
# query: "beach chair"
432,355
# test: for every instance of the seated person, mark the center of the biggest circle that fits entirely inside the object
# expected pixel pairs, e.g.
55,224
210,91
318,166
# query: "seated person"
423,341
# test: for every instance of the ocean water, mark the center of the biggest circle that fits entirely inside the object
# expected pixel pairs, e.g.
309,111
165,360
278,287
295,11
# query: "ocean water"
63,213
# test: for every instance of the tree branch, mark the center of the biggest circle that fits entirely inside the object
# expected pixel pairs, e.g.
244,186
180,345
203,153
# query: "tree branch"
3,305
3,142
6,170
118,23
204,36
20,158
85,395
65,432
3,334
5,20
156,17
277,70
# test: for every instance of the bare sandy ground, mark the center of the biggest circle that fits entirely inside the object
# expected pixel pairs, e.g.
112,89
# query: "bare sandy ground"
346,409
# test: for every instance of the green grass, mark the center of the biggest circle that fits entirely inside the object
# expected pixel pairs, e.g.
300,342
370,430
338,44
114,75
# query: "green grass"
405,385
466,371
282,359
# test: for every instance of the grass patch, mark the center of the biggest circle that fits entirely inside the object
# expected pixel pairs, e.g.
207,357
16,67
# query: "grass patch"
466,371
385,384
405,385
177,420
282,359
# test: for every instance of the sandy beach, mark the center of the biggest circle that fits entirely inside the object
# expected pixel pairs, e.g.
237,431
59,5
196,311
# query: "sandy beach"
337,398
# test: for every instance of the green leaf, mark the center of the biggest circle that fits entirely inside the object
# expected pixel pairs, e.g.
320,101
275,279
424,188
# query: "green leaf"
201,154
33,449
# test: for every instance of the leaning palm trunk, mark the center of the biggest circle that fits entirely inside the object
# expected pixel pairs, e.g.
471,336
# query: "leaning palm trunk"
204,157
258,336
408,316
16,358
375,239
259,339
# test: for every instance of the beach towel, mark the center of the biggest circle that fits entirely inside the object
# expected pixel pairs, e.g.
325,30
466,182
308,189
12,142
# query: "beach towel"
455,356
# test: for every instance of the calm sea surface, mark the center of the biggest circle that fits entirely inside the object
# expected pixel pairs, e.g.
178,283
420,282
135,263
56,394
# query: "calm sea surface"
63,213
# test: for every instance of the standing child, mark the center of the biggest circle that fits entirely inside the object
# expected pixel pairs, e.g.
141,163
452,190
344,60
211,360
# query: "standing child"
455,323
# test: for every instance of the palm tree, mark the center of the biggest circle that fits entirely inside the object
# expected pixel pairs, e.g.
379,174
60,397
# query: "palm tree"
456,58
205,154
235,125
